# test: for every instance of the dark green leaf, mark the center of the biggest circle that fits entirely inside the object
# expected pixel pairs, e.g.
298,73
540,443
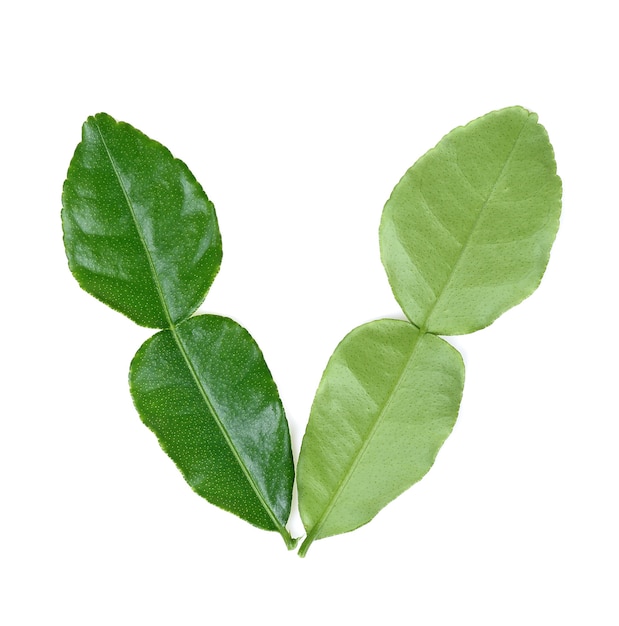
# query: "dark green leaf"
387,401
204,389
467,232
142,236
140,233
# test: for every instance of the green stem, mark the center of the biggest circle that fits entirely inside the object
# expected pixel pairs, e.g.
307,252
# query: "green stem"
291,543
305,545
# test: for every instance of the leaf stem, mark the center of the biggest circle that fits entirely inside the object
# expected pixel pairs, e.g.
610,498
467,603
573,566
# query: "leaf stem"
307,542
291,542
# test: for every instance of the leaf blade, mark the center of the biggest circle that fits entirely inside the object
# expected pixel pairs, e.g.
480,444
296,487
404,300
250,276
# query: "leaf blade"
206,392
388,399
467,232
140,233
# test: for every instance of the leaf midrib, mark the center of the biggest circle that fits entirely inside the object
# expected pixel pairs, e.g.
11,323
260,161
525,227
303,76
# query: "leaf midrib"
315,530
151,263
181,348
224,432
426,322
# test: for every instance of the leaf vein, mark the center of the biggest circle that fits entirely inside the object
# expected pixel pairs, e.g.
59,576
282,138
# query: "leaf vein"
356,459
147,251
460,255
230,443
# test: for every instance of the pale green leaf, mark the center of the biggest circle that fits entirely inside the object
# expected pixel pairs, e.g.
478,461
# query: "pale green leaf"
388,399
467,232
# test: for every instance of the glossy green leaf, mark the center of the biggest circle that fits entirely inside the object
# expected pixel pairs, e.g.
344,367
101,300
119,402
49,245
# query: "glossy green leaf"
204,389
467,232
388,399
140,233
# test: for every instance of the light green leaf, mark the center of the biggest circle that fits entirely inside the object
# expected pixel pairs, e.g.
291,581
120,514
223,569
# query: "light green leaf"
139,232
467,232
204,389
388,399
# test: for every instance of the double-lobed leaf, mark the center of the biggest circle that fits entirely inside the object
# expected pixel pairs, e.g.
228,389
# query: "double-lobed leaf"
142,236
467,232
465,235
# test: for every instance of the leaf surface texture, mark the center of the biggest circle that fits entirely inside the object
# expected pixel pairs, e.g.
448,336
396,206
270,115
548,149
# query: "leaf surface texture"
467,232
205,390
387,401
140,233
142,236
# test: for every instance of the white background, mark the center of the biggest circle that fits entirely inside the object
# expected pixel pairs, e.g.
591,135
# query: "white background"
298,118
